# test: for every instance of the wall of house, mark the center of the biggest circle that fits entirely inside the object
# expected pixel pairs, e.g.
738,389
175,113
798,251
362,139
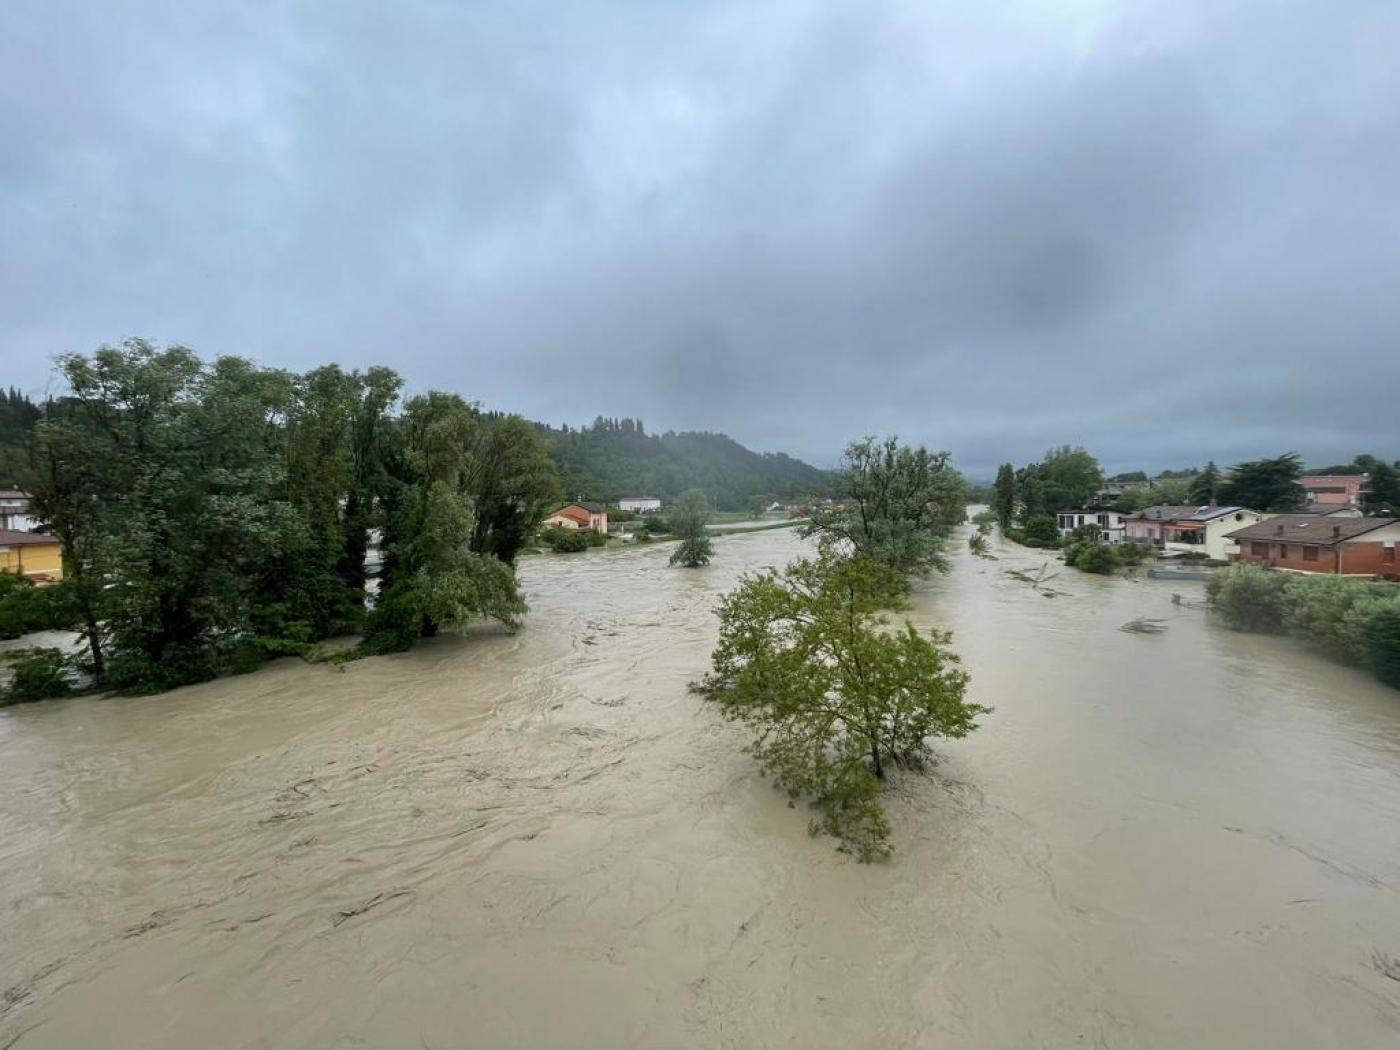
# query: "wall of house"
1287,556
1218,545
1367,555
1334,490
32,559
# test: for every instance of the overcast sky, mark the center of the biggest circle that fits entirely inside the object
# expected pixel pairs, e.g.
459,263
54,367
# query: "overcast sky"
1167,231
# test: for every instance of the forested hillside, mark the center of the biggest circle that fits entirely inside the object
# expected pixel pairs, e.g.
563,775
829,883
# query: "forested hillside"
614,458
18,415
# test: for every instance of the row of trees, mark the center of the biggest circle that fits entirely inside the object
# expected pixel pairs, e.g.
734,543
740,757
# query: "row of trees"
808,661
214,515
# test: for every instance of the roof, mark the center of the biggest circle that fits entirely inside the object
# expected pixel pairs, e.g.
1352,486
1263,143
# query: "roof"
1184,512
634,499
1311,528
13,494
11,538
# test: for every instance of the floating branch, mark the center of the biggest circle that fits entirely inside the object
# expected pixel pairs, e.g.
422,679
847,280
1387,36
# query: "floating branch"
1144,625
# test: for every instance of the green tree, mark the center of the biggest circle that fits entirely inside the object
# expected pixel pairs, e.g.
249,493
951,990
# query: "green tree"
1268,485
834,699
1382,495
900,505
1040,531
512,485
690,519
1205,486
1004,495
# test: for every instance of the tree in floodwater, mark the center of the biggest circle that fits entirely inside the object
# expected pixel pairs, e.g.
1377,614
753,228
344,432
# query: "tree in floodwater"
690,519
1004,495
433,579
898,505
835,699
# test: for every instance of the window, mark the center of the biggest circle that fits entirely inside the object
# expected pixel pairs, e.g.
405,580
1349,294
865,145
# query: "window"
1283,550
1309,553
1259,550
1388,554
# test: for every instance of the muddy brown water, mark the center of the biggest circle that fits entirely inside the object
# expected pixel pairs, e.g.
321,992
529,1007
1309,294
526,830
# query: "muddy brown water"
1183,840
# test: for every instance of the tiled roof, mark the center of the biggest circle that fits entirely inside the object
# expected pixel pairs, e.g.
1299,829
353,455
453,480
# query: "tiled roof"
11,538
1310,528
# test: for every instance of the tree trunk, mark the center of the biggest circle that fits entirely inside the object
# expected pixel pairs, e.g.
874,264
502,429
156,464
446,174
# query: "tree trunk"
875,757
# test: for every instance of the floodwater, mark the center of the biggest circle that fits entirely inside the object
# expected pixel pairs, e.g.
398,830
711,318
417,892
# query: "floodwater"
1189,839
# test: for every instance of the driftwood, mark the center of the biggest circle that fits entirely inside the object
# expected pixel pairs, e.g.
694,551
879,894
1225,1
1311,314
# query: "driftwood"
1144,625
1038,580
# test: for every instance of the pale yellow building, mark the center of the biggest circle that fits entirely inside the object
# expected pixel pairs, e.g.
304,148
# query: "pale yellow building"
31,554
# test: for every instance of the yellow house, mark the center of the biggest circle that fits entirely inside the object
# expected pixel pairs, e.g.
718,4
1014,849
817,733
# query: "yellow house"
31,554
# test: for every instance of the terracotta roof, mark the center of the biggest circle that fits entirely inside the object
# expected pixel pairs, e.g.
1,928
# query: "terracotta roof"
1310,528
11,538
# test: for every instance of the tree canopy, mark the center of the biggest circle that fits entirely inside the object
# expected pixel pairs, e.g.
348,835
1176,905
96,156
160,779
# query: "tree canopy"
689,520
1268,485
899,505
833,697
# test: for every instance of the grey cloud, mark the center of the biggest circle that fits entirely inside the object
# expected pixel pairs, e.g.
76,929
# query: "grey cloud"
1168,231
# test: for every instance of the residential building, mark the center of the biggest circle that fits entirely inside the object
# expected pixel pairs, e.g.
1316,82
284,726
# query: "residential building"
580,516
1190,529
1335,489
640,504
1323,543
31,554
1109,521
14,511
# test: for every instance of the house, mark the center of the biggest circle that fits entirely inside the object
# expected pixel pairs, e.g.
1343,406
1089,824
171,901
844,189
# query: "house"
31,554
1335,489
579,516
14,511
1109,521
1322,543
1190,529
640,504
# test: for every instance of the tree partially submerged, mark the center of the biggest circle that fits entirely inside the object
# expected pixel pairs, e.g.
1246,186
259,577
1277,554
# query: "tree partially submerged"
690,519
835,698
899,505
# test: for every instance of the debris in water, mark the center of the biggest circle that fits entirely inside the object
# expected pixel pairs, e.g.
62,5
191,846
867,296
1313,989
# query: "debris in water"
373,902
1144,625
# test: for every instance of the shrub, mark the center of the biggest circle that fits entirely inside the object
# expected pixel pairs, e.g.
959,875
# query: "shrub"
1040,531
1383,644
1249,598
564,541
36,674
1090,556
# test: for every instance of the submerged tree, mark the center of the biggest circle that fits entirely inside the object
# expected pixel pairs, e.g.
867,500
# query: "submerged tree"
899,505
834,698
690,519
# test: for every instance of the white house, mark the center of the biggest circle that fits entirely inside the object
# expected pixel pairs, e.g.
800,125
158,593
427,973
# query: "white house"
1109,521
640,504
14,511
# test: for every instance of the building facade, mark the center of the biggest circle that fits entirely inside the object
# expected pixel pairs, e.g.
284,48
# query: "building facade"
1108,520
1335,489
1313,543
14,511
1190,530
579,516
31,554
640,504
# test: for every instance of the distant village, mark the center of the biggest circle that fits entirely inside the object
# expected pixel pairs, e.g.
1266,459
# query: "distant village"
1331,534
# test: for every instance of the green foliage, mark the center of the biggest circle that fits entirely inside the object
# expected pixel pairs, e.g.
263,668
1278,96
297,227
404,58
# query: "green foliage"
26,607
1269,485
1087,554
1351,620
35,674
656,524
216,514
1249,598
1039,530
901,505
690,518
835,699
1004,495
1067,477
1205,486
617,458
977,544
984,519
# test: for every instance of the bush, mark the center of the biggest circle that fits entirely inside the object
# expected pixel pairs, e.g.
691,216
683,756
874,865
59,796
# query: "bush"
1038,531
1090,556
1351,620
656,525
595,539
1383,644
564,541
1249,598
36,674
26,608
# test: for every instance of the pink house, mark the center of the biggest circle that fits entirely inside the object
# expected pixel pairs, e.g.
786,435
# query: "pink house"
1335,489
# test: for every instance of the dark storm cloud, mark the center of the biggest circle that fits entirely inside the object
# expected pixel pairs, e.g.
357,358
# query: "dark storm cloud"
1168,231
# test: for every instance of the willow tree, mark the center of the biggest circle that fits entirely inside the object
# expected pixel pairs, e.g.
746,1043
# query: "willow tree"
690,520
836,699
